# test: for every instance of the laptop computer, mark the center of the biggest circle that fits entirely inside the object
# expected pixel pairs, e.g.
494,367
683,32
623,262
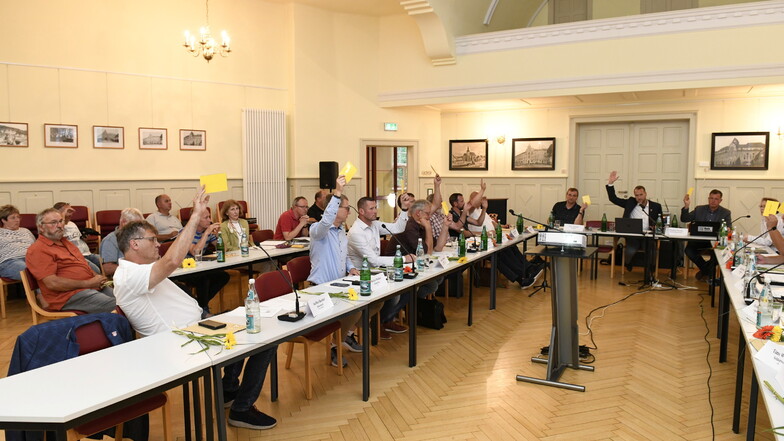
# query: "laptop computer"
704,228
626,225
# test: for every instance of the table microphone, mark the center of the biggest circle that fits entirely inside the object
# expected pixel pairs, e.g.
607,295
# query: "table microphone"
546,227
747,293
741,217
293,316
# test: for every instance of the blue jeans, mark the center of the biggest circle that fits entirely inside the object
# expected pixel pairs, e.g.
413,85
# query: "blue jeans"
10,268
255,370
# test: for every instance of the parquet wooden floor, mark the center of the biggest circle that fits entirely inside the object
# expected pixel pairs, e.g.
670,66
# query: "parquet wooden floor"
650,381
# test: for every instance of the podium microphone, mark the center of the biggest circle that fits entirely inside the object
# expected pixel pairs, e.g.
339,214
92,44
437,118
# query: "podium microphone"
747,292
293,316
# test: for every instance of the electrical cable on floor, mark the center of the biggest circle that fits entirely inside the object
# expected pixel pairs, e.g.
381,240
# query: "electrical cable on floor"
707,361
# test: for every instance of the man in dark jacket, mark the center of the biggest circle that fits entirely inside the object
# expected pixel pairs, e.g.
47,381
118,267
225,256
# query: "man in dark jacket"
637,207
713,212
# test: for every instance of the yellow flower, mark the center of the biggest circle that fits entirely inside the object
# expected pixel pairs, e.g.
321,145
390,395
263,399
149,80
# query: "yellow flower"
230,340
190,262
352,294
776,336
462,260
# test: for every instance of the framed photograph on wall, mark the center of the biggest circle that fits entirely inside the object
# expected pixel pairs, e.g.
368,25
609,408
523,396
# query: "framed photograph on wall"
108,137
533,154
13,134
61,135
152,139
740,150
468,154
193,139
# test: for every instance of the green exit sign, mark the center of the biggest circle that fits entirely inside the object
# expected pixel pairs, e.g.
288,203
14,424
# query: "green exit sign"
390,127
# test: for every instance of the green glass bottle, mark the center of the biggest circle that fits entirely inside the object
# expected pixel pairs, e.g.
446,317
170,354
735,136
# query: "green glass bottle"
483,239
674,221
461,244
551,220
520,225
499,235
220,249
604,222
398,263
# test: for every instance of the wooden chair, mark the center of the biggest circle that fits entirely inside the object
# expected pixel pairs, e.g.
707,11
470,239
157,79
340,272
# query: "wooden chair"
4,284
30,285
107,221
260,236
299,270
605,249
270,285
91,337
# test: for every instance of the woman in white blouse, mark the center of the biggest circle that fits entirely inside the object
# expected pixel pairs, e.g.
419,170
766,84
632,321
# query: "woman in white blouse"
14,242
232,228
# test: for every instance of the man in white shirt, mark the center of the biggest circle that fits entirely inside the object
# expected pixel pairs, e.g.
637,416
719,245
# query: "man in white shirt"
154,304
168,225
364,240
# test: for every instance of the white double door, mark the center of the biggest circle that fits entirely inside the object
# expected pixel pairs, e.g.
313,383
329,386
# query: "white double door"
653,154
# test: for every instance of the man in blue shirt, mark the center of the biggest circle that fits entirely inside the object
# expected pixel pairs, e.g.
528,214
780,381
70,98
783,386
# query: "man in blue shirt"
329,257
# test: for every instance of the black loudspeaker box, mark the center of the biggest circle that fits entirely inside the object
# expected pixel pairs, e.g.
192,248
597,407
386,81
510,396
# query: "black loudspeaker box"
328,173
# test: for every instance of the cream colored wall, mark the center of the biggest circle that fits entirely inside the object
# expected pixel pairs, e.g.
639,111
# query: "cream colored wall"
336,66
92,62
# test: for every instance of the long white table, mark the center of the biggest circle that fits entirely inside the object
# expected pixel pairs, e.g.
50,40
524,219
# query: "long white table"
72,392
233,260
732,296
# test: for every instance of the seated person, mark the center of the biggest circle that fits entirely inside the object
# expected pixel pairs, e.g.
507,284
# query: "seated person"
319,204
364,240
168,225
460,211
637,207
14,242
73,234
206,283
233,226
712,212
569,211
404,201
110,252
66,280
419,227
764,239
329,259
294,222
154,304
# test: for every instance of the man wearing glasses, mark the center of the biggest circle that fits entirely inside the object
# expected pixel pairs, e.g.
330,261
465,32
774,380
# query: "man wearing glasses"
154,304
294,222
66,280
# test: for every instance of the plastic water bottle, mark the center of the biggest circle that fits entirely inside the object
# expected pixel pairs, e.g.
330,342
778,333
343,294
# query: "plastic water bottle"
659,225
364,278
483,239
420,256
398,262
461,244
764,309
244,246
220,249
252,312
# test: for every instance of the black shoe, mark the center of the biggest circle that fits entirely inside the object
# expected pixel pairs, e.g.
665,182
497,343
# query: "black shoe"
700,276
251,419
629,267
228,398
526,283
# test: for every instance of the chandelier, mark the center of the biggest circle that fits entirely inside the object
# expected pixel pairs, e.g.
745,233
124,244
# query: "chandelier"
207,46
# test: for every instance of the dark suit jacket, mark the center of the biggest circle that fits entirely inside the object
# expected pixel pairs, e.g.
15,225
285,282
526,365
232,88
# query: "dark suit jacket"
628,205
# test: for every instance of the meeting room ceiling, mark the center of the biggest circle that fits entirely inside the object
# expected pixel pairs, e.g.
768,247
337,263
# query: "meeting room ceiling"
362,7
615,98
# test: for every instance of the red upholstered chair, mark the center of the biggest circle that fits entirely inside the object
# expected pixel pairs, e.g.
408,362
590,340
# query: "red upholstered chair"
91,337
273,284
30,285
605,249
107,221
164,247
81,216
299,270
262,235
185,214
28,221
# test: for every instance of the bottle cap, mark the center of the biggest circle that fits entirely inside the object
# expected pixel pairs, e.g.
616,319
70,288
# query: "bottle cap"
252,281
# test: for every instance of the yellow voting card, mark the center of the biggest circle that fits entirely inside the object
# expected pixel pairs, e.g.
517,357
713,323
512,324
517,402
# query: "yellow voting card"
771,207
445,207
348,171
586,200
214,183
690,192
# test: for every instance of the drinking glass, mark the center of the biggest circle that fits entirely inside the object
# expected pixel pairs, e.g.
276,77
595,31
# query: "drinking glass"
557,224
197,255
775,309
390,270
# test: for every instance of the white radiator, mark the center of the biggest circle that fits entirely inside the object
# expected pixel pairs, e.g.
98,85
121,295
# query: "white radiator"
264,158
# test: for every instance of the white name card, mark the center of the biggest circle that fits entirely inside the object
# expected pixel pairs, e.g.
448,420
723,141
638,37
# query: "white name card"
514,232
442,261
531,229
676,232
739,271
725,255
771,354
378,282
320,304
572,228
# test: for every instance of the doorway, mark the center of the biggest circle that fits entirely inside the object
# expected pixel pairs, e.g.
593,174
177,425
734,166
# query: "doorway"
654,154
388,176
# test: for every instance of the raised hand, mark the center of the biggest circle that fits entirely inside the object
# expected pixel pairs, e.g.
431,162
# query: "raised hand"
686,200
613,177
340,182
